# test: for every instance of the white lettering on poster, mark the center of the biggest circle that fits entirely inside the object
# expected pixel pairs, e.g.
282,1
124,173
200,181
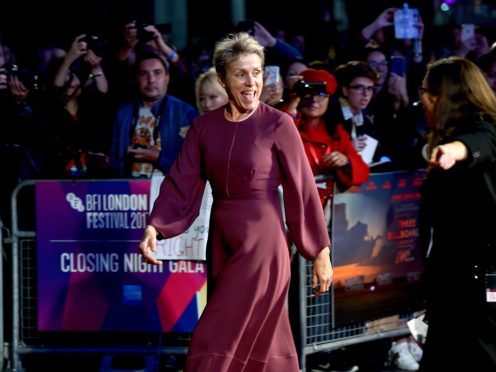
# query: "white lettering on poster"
89,262
106,263
185,267
113,211
134,263
116,202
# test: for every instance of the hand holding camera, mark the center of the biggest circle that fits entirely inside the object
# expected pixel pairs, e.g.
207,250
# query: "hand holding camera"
94,44
79,47
19,80
303,88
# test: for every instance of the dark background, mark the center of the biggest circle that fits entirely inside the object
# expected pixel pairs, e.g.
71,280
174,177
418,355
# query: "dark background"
26,24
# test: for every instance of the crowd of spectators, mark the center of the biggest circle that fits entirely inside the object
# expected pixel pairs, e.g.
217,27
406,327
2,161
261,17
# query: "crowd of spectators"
94,110
74,114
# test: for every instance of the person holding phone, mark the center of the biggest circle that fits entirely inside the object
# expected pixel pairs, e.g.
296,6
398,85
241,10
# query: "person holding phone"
399,121
273,89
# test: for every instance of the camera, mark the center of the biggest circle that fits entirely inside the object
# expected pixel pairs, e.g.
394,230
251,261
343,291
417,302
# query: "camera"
302,88
29,80
94,43
143,35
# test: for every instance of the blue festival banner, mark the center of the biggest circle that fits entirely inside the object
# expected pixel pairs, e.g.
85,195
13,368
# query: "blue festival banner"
90,274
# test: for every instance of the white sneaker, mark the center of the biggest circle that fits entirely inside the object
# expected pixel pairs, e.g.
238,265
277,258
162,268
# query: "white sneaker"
400,355
415,349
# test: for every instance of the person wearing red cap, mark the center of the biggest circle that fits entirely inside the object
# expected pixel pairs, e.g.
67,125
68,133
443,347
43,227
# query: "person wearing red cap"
332,157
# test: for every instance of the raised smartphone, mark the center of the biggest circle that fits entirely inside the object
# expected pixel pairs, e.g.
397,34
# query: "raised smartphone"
398,65
468,31
271,74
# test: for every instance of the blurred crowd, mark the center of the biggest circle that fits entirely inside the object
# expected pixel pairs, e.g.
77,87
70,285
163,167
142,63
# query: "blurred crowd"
100,110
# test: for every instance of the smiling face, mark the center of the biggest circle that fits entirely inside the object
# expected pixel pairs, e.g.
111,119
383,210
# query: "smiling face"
243,82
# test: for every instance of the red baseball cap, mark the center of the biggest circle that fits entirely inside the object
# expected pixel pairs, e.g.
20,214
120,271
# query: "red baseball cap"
320,76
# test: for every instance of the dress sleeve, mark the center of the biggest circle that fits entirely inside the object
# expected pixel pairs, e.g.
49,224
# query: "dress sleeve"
181,192
304,213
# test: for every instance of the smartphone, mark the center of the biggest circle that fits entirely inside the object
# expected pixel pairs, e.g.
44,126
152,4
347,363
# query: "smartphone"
406,23
271,74
468,32
398,65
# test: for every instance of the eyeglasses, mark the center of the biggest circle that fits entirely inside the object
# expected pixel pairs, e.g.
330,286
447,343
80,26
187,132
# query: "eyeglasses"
362,88
375,64
317,97
422,90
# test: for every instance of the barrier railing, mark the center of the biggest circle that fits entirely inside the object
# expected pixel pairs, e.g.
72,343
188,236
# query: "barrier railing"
377,268
373,295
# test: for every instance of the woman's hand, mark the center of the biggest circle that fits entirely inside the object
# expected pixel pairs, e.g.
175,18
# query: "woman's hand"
445,156
148,245
335,159
322,272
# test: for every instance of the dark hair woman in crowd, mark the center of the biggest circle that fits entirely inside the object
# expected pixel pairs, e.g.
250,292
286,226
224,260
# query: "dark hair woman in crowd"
457,216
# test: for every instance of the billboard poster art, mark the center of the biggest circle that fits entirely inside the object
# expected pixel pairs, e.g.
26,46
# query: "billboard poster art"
376,252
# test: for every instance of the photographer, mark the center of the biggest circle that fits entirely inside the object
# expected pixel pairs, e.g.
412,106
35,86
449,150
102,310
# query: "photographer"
78,116
136,35
328,148
20,145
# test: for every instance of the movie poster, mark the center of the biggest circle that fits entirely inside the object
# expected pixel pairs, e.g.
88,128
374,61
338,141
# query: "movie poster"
376,253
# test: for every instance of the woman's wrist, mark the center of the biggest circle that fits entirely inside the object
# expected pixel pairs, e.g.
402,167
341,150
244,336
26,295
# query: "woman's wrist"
325,252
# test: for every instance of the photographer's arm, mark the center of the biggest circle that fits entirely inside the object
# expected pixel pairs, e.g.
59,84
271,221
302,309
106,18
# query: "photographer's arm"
129,41
77,49
279,47
97,73
161,45
383,20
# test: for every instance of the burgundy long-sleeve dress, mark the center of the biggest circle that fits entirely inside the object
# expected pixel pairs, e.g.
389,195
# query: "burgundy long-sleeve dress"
245,325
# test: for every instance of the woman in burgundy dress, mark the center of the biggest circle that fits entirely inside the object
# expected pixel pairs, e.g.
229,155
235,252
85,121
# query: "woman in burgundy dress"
245,149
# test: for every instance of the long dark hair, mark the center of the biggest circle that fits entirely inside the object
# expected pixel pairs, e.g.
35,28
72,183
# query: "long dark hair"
460,90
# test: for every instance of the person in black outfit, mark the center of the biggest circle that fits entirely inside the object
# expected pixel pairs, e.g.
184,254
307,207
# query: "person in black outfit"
458,205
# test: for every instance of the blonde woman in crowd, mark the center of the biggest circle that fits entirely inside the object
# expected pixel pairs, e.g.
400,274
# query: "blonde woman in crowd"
208,92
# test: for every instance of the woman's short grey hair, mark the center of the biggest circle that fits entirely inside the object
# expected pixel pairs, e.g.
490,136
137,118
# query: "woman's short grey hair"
232,47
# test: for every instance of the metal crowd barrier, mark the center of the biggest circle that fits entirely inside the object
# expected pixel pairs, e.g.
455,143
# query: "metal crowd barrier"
316,333
312,317
314,320
27,341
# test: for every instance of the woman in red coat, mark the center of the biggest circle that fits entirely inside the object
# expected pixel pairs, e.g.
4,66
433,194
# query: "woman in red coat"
332,157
